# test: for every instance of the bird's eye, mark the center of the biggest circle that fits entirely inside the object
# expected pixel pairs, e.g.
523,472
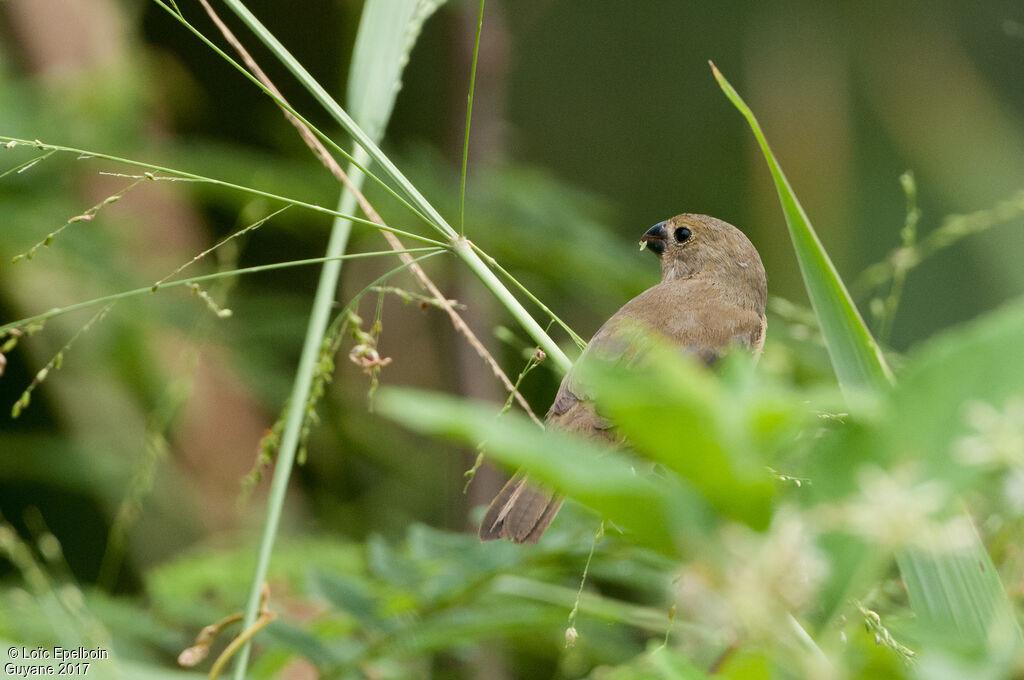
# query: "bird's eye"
682,234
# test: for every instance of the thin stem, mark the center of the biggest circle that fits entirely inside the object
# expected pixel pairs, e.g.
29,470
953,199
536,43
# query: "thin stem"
341,116
570,633
389,168
464,249
469,117
230,237
240,642
953,229
318,321
22,167
280,101
217,182
83,217
580,342
204,277
901,263
55,363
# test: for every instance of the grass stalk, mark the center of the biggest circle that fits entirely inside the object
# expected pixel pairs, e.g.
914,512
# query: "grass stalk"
318,321
461,247
374,99
331,105
192,177
464,249
469,118
57,311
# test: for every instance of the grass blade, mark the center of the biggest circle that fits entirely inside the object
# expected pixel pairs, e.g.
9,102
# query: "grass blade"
954,589
957,597
856,358
953,585
462,247
387,33
469,118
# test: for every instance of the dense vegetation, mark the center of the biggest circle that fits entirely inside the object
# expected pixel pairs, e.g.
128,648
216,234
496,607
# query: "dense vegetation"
848,507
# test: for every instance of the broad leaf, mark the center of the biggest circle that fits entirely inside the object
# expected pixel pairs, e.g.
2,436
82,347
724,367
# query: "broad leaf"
595,475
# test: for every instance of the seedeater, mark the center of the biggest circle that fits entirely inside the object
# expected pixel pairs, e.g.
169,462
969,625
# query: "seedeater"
711,295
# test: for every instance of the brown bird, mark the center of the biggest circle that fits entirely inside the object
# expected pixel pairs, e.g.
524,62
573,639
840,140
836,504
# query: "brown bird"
711,295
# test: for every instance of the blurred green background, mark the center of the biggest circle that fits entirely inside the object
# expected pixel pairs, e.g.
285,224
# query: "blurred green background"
592,121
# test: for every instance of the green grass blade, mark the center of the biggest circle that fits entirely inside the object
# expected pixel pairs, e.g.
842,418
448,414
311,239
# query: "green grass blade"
957,597
387,33
391,171
856,358
469,119
953,586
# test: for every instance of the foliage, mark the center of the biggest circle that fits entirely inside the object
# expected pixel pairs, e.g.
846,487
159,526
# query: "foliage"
775,505
764,521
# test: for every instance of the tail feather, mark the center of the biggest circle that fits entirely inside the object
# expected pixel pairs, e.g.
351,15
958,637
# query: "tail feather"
520,512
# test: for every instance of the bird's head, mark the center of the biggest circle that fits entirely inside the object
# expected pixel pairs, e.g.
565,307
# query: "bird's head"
689,244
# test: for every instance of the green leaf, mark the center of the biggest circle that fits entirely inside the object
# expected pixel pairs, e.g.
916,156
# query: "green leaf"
352,595
956,594
595,605
720,433
392,566
921,427
954,588
953,584
387,33
856,358
594,474
464,625
661,663
976,366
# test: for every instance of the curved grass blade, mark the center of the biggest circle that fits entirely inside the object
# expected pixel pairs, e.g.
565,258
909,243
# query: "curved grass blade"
856,358
953,582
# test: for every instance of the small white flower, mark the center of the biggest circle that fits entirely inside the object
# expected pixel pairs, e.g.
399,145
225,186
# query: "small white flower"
891,510
999,435
771,573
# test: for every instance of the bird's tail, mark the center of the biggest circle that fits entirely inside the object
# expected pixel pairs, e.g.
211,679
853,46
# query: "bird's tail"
520,512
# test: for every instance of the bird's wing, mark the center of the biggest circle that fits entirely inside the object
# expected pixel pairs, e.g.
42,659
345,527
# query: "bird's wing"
693,315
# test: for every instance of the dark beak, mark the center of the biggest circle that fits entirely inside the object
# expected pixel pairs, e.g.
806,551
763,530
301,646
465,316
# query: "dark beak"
655,238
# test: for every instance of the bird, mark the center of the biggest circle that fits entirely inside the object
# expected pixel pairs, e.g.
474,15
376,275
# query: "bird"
711,296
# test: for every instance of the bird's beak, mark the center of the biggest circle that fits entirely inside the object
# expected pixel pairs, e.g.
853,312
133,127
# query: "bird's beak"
655,238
